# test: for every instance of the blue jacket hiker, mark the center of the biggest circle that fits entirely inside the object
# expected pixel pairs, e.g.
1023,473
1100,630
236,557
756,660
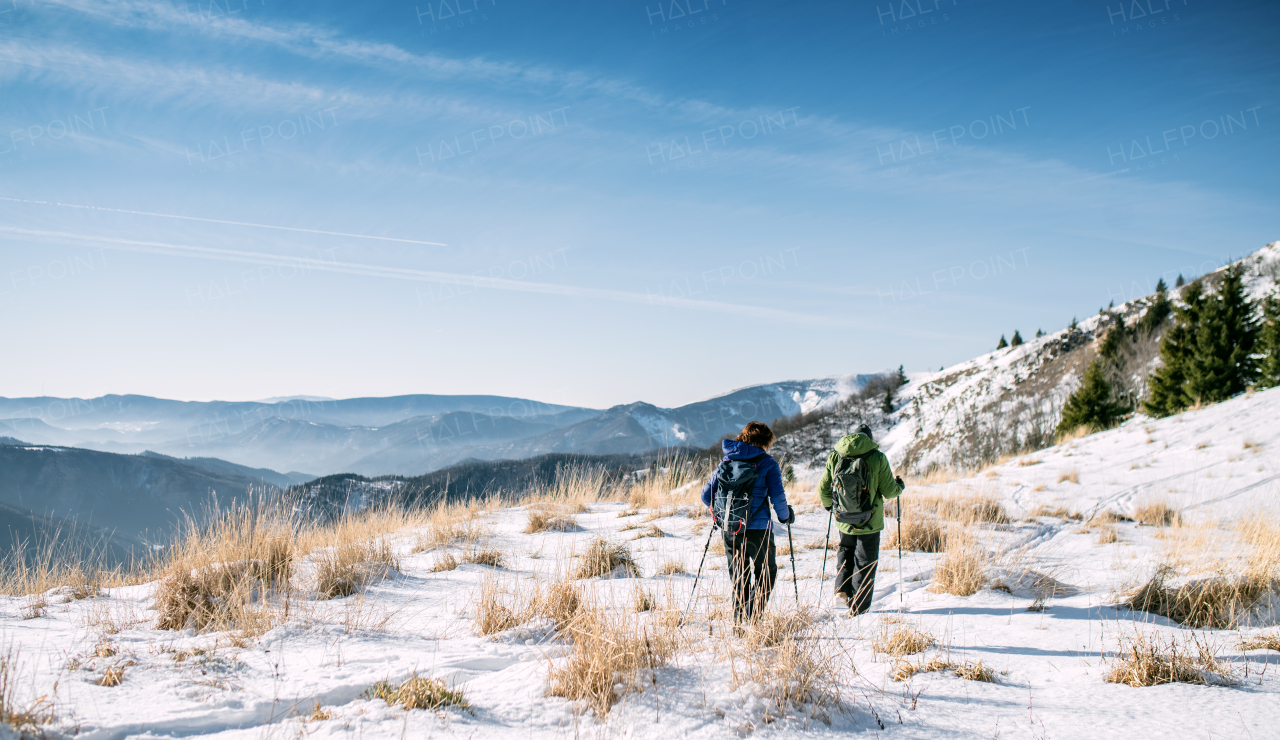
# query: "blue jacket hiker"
753,565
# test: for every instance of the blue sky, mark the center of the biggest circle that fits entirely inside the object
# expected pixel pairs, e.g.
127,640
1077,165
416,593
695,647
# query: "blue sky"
585,202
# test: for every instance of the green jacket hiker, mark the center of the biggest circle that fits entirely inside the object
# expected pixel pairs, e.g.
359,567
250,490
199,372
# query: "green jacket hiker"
858,550
882,484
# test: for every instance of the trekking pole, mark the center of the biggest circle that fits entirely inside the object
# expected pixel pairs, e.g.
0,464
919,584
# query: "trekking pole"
685,616
902,577
825,546
792,544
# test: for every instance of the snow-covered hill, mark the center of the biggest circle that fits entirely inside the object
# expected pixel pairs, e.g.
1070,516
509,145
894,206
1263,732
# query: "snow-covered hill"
1002,402
308,675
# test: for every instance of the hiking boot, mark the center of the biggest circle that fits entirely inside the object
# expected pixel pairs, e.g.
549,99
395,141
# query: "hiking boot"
843,599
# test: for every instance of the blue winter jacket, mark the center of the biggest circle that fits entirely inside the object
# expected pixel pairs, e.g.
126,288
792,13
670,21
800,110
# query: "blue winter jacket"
768,486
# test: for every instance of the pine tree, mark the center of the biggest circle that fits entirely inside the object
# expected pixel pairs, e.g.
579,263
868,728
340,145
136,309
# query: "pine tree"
1003,343
1017,339
902,376
1073,323
1158,311
1179,282
1177,348
1039,333
1091,404
887,405
1223,364
1110,349
1269,343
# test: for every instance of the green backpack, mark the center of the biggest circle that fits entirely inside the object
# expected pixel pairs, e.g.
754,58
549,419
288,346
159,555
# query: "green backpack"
850,490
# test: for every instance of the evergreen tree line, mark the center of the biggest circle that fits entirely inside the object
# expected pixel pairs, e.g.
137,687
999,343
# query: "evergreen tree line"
1220,344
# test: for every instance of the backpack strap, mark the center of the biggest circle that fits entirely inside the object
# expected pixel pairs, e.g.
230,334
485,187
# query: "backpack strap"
755,462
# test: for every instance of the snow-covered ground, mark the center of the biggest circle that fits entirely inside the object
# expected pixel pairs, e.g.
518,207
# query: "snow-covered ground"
1216,463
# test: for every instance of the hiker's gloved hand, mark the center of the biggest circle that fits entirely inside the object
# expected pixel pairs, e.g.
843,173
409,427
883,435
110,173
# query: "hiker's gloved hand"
898,480
791,515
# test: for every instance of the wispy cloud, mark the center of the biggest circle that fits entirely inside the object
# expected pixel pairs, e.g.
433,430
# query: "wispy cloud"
431,276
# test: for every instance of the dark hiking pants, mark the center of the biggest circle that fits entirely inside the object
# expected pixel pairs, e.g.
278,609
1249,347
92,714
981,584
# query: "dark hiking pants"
856,569
753,567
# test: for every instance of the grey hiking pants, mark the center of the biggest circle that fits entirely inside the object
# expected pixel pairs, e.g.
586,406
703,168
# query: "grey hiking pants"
856,569
753,567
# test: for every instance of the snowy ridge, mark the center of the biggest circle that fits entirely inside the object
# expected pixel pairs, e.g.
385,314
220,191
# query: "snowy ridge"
999,402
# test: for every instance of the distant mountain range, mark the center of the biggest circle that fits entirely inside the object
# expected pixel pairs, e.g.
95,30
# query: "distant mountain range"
405,435
130,499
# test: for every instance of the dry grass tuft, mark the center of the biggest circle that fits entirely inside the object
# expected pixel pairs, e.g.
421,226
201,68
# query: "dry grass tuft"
797,669
1057,513
904,640
651,531
1149,661
1071,476
671,568
446,562
610,656
604,558
350,565
494,613
549,519
559,603
1157,514
27,719
962,508
976,672
1269,641
820,543
1107,516
904,670
417,693
919,534
1218,602
319,713
217,596
35,606
969,671
490,556
775,628
112,676
1107,535
961,570
641,600
451,525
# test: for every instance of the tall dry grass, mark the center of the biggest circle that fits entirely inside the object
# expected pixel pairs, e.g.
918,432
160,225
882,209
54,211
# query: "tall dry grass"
1149,660
668,489
603,558
962,569
505,606
612,655
23,716
795,665
1206,578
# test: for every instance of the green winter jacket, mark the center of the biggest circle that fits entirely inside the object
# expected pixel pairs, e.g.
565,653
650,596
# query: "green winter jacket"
882,484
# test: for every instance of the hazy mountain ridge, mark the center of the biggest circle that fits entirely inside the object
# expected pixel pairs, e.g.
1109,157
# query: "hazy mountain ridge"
139,496
374,436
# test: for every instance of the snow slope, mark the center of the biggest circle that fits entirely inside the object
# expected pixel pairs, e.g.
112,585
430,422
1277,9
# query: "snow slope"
1050,664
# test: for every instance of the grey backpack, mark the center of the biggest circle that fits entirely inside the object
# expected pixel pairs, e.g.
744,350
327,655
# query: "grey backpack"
851,497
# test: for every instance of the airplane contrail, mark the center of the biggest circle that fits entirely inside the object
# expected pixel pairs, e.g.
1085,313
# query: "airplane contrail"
220,221
432,276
